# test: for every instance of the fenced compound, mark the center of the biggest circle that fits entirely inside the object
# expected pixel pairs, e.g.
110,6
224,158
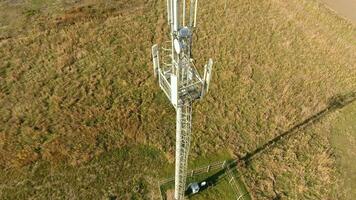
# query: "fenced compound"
236,182
228,169
197,171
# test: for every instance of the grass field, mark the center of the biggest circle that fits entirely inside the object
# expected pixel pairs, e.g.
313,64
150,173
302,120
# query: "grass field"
343,141
82,117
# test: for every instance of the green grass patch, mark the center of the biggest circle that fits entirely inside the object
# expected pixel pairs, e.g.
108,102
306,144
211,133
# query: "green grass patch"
343,139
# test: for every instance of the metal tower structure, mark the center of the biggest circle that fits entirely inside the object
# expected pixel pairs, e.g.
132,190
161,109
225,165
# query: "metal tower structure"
180,80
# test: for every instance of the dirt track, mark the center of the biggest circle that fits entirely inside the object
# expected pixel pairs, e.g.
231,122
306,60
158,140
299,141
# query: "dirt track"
346,8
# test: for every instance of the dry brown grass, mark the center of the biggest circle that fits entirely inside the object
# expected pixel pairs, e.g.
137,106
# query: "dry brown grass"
76,86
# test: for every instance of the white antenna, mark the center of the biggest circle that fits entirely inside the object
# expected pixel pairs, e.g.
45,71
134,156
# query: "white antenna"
169,10
207,77
183,16
155,58
180,81
195,13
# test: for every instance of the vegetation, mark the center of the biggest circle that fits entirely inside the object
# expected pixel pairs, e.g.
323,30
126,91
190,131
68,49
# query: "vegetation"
81,116
343,142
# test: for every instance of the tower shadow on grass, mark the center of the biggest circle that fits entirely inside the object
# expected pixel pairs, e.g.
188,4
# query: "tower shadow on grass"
336,102
215,179
210,181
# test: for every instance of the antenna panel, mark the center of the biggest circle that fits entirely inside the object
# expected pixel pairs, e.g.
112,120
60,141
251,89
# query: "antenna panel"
208,73
169,10
177,46
155,58
175,15
183,15
193,13
174,90
207,77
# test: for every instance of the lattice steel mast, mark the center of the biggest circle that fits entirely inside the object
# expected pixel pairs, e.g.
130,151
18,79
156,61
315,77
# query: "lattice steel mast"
180,80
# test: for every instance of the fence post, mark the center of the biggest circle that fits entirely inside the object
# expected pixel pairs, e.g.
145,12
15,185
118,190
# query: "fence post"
208,169
224,163
192,174
240,196
231,179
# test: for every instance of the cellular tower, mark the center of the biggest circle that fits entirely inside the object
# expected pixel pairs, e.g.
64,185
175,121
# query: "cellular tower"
180,80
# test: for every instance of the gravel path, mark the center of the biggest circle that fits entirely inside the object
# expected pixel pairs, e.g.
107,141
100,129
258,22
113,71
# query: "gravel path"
346,8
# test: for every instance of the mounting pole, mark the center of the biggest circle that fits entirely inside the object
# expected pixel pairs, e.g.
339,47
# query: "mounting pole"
175,14
180,81
177,176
